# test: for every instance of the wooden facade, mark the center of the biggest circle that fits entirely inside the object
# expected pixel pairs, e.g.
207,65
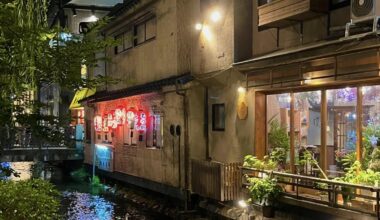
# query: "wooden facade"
280,13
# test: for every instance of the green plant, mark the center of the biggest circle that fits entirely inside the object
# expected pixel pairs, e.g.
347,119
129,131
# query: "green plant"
80,175
348,160
308,158
32,199
374,163
264,191
253,162
278,140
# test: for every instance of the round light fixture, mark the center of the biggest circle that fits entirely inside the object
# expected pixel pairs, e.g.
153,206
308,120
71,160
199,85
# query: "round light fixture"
216,16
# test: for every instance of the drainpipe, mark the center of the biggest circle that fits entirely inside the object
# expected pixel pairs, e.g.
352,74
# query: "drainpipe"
206,126
182,93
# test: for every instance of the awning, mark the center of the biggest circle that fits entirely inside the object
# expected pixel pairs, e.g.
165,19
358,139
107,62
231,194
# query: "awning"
80,95
139,89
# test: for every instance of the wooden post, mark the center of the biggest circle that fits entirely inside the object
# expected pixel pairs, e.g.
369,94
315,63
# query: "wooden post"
359,116
292,134
324,123
260,125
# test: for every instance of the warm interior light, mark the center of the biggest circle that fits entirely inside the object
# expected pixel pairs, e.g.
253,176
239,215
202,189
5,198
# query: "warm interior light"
198,26
242,204
241,89
92,18
216,16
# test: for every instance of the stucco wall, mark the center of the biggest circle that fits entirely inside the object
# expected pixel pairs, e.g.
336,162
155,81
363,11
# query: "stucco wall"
152,60
159,165
236,141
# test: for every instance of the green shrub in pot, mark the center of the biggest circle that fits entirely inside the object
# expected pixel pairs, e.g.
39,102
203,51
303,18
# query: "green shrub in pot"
265,192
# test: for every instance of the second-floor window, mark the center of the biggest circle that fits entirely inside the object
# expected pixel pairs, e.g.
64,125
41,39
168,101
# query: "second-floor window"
145,31
125,41
140,33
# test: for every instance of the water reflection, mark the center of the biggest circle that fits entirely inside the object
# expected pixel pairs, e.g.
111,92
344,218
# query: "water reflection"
83,206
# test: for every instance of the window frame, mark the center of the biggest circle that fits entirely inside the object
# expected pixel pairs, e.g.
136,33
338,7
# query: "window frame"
214,115
143,22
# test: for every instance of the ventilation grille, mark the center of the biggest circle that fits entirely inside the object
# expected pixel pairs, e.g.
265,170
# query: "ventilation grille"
362,8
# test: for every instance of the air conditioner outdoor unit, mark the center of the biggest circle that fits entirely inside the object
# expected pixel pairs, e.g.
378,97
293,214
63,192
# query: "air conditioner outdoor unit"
364,11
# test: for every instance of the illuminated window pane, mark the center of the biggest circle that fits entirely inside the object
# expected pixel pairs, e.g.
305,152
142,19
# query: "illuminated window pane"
371,125
307,129
341,127
278,124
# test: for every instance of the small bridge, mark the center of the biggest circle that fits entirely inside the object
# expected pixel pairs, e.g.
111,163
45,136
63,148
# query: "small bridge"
42,154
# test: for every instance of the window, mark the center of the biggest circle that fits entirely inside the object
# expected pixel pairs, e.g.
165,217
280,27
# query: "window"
125,41
341,129
145,31
278,127
218,117
307,128
299,116
142,32
154,135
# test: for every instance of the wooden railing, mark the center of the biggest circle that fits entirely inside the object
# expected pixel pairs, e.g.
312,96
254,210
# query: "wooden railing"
216,180
362,198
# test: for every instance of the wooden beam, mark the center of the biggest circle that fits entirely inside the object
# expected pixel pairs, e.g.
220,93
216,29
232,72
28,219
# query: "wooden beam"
292,134
260,125
359,119
324,123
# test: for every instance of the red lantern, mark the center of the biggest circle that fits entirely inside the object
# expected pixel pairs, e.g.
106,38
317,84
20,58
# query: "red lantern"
98,123
120,116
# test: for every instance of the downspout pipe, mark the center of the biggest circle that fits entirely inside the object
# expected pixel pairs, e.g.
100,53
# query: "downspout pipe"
182,93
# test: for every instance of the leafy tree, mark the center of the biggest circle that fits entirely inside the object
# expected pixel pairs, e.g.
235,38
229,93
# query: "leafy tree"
32,56
31,199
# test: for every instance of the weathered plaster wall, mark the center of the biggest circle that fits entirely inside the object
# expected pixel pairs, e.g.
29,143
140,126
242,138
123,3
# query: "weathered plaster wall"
236,141
152,60
213,47
159,165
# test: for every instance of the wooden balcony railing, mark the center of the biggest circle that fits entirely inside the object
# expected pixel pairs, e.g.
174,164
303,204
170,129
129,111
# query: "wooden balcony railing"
363,199
216,180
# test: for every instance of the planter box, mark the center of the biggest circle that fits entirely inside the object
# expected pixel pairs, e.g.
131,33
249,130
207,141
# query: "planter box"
280,13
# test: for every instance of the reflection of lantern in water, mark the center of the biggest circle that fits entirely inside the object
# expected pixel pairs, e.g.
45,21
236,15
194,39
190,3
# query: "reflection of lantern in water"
98,123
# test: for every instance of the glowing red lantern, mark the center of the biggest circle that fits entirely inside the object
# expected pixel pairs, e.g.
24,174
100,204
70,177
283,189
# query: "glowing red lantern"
98,123
120,116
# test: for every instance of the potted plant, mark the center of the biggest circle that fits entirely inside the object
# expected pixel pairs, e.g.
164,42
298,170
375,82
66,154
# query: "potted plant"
264,192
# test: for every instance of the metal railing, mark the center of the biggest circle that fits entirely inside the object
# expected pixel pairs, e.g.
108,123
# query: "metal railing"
216,180
352,197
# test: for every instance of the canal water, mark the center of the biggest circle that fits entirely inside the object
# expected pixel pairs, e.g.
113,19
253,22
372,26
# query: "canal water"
79,201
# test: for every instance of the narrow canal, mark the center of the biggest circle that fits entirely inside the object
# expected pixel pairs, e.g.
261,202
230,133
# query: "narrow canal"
81,200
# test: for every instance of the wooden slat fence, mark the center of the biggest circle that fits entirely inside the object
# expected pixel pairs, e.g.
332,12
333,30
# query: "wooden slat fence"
216,180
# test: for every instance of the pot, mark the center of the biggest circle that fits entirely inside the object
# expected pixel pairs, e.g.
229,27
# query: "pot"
268,211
